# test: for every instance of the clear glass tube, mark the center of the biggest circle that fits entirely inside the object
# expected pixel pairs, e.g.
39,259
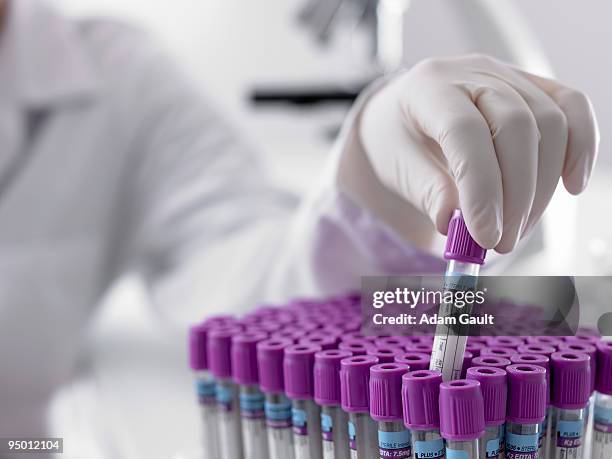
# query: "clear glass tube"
449,342
228,418
363,436
602,427
394,440
522,440
568,428
278,424
252,413
306,417
469,449
334,433
492,444
428,444
206,390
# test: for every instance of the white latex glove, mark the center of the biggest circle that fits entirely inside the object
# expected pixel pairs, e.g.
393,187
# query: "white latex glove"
475,133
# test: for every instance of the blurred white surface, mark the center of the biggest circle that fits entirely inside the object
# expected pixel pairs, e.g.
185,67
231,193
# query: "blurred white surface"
136,378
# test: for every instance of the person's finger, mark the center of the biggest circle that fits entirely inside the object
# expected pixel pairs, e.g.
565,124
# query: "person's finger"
516,137
583,132
553,127
447,115
407,162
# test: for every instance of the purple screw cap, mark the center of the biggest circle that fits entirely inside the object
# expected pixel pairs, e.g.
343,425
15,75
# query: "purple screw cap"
270,355
539,360
603,383
386,391
526,393
474,347
505,341
553,341
460,245
543,349
498,351
298,366
494,386
424,348
384,354
327,376
354,383
244,357
415,360
198,337
324,342
582,338
571,380
490,361
220,351
420,393
461,410
587,349
356,347
467,362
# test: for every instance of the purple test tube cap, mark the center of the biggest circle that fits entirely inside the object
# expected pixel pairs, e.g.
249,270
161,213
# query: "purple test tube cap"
571,379
198,337
298,366
460,245
220,350
327,376
244,357
603,384
270,355
461,410
355,383
415,360
494,387
386,391
420,394
526,393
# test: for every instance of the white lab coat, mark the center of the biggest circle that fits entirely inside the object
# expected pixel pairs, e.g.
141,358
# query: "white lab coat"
110,160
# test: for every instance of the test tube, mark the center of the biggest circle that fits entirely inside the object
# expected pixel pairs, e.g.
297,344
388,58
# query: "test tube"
205,387
571,389
394,438
420,395
355,395
277,406
252,399
228,412
334,421
464,257
602,426
526,411
356,346
462,422
505,352
544,362
591,351
494,387
504,341
298,366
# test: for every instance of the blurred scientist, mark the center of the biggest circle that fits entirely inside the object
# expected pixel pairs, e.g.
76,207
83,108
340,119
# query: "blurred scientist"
111,160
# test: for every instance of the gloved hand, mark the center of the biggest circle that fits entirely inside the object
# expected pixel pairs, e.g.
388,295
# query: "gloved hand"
477,134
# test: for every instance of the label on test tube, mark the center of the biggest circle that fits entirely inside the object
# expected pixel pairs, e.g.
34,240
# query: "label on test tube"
521,446
278,415
493,448
602,433
300,434
456,454
224,398
352,440
569,434
395,444
207,392
327,426
252,405
430,449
